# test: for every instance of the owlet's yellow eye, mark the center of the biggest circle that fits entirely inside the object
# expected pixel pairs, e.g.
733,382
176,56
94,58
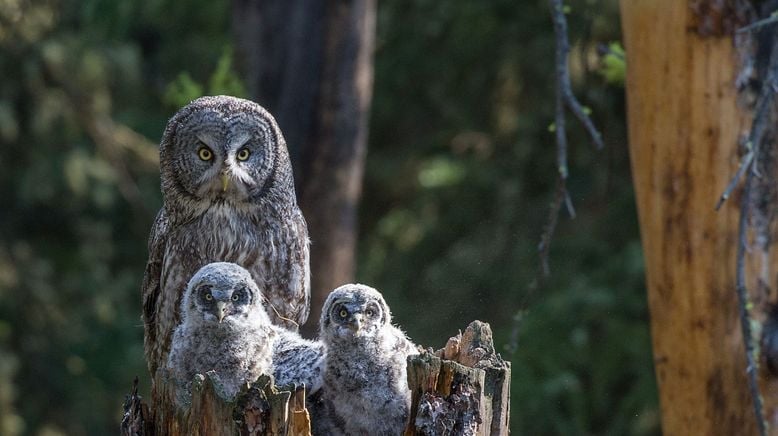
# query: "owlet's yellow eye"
205,153
235,297
243,154
369,312
208,297
343,313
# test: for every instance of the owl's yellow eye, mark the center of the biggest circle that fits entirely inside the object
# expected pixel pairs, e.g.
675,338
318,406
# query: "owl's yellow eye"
208,297
343,313
205,153
243,154
369,312
235,297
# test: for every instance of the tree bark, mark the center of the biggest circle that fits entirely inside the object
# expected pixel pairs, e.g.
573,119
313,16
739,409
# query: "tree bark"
684,127
310,64
462,389
258,410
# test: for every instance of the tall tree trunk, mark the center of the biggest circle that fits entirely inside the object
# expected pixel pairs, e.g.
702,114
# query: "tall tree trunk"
684,126
310,64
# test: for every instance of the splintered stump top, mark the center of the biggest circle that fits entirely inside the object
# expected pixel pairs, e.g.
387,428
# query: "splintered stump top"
259,409
462,389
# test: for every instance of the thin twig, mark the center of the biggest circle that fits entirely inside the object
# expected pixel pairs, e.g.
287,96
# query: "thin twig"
563,74
761,117
564,98
743,304
548,231
773,18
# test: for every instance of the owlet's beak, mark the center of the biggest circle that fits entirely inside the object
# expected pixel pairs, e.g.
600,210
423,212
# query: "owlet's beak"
225,181
221,309
356,325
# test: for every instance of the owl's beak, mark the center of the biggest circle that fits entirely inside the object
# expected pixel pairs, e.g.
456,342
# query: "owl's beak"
356,325
225,181
221,309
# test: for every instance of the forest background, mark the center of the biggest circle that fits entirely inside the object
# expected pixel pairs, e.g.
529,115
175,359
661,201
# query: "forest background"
459,176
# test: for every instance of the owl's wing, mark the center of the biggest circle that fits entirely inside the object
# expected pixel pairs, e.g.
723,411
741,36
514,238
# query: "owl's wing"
151,284
403,345
300,257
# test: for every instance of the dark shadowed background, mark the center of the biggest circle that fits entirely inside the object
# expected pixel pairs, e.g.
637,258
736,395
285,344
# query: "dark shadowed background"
458,177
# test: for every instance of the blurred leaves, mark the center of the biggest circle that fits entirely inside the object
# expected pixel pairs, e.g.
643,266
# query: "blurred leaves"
223,81
613,63
80,114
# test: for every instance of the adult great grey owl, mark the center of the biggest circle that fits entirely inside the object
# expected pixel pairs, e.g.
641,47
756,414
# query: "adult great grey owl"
225,328
365,387
228,195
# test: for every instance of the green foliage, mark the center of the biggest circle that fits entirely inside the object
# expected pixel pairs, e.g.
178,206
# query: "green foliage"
459,175
614,64
223,81
182,90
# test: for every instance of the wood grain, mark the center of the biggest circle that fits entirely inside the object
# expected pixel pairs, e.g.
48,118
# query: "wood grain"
684,126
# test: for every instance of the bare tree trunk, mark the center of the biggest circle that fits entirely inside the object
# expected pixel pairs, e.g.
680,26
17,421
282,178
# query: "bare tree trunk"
684,126
310,64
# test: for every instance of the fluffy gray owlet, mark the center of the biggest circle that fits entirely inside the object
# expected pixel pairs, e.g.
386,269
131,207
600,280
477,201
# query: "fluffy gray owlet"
225,328
228,196
365,386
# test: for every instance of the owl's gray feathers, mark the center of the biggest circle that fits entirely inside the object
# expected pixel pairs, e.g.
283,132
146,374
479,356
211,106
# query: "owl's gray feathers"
365,387
228,195
222,120
297,361
224,328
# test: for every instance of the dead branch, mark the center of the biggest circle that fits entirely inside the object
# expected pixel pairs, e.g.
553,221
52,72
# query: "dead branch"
564,99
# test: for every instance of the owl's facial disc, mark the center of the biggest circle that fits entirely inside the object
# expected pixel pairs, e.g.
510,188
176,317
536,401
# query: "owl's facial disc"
228,179
221,305
355,320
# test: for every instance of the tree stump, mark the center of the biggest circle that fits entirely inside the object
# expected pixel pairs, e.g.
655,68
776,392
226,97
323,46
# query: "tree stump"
462,389
259,409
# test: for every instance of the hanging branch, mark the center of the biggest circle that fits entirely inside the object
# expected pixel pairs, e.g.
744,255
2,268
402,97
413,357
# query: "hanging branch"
564,99
749,167
744,303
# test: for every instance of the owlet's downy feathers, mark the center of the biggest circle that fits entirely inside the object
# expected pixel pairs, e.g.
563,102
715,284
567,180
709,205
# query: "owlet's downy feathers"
228,196
365,387
225,329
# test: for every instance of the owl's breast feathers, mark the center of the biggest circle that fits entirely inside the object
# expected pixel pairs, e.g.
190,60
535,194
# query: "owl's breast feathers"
273,249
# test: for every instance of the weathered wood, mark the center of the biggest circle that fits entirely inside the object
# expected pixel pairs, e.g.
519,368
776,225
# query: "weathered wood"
137,420
300,420
684,126
463,388
260,409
